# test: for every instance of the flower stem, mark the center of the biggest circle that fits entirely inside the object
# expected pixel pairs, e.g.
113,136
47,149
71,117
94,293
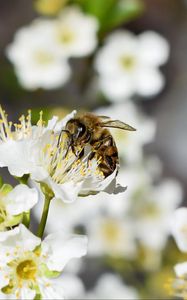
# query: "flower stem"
43,221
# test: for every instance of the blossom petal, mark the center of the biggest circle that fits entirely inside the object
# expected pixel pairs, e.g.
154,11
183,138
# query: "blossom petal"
26,293
60,248
149,81
21,199
51,290
67,192
179,228
20,237
181,269
117,88
153,48
14,155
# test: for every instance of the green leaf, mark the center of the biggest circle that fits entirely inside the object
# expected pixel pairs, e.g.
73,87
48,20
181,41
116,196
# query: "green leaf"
124,11
98,8
111,13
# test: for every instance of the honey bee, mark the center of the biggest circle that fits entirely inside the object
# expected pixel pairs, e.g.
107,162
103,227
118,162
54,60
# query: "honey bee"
89,129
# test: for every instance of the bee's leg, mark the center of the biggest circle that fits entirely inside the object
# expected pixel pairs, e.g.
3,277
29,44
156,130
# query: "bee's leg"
70,141
81,154
107,141
91,156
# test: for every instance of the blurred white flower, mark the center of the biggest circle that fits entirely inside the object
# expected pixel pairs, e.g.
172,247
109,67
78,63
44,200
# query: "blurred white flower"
13,202
72,285
129,64
178,286
130,144
29,267
36,61
151,206
111,236
110,286
75,33
179,228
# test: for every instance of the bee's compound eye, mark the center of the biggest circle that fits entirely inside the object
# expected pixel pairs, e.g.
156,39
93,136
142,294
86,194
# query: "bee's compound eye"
81,129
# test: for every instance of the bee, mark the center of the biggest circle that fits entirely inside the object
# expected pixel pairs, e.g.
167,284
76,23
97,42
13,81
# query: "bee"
91,130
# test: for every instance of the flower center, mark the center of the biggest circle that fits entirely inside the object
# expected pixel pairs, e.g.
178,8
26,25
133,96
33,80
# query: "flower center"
64,165
26,269
111,231
128,62
43,57
65,36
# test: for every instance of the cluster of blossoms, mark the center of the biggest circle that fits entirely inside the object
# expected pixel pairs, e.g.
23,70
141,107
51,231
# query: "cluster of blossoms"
37,156
40,51
126,64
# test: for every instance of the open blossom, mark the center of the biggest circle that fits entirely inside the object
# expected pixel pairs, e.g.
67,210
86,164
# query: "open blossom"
112,236
42,152
110,286
36,61
75,33
13,202
30,268
151,206
129,64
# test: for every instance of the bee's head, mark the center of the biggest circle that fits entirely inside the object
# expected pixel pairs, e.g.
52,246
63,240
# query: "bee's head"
77,130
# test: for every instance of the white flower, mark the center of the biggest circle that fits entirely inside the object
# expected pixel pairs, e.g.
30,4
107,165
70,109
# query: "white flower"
111,236
178,286
179,228
130,144
29,267
110,286
128,64
151,207
13,202
75,33
42,152
36,61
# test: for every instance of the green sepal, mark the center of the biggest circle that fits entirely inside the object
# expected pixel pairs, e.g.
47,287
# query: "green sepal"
15,220
38,297
1,181
24,179
47,190
48,273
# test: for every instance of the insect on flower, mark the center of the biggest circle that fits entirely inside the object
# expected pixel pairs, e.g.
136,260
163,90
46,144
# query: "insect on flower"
90,131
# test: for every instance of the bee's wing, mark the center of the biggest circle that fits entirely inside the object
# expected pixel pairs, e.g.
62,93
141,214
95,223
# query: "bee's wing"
117,124
104,118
